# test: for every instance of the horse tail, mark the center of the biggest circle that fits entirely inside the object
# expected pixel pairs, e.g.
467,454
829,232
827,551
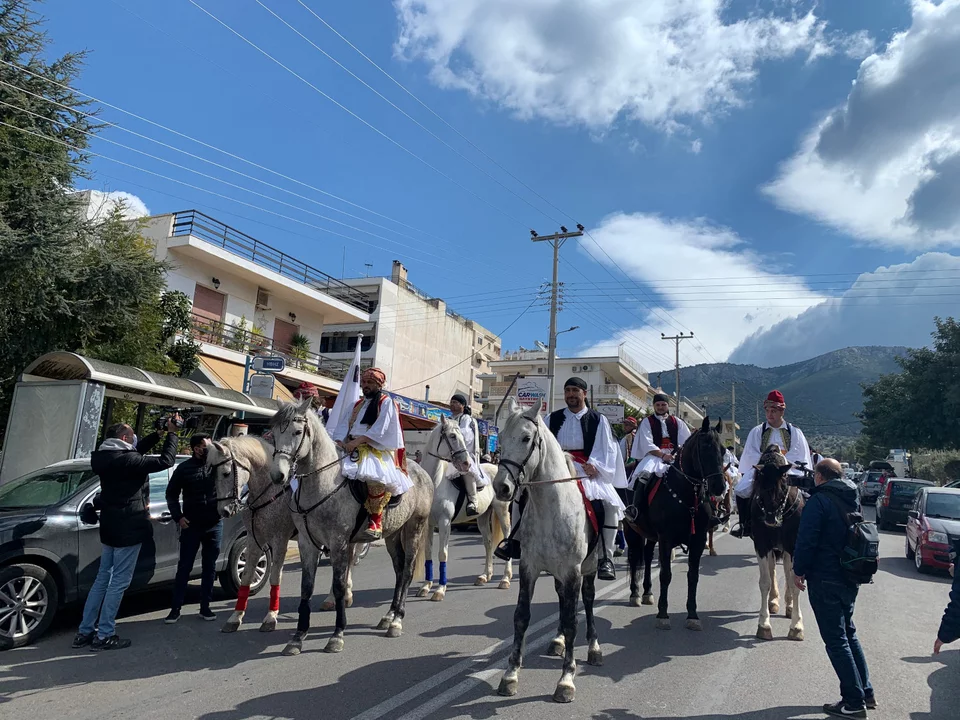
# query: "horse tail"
496,529
420,562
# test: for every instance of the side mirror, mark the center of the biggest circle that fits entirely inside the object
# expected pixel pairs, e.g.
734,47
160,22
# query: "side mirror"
913,514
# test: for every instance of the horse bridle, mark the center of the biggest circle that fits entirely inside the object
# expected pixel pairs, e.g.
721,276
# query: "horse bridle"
295,457
453,452
517,477
237,496
782,512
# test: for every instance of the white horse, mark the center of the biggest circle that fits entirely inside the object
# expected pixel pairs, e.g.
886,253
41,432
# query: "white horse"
555,537
245,461
446,457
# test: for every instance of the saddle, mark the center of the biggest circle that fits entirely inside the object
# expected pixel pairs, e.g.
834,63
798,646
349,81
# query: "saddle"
510,547
358,488
458,483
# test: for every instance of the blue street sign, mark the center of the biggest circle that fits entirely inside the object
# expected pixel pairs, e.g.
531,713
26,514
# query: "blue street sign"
269,364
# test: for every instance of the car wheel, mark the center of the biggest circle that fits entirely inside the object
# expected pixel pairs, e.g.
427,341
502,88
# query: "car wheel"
907,550
918,560
230,577
28,601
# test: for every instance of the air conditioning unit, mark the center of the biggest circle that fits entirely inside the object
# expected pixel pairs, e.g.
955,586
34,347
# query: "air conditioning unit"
541,371
586,368
263,299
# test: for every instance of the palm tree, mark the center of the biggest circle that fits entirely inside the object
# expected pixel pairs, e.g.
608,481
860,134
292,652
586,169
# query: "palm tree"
299,347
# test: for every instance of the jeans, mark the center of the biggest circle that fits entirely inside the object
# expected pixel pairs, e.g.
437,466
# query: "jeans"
113,578
191,540
832,604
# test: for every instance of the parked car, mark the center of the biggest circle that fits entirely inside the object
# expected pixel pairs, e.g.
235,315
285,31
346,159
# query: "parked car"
871,485
49,556
954,484
898,498
933,527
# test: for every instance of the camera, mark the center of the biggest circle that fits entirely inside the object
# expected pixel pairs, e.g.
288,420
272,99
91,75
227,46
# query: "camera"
189,417
805,481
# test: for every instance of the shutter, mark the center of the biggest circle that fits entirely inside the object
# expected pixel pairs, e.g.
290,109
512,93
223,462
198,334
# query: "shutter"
208,304
283,333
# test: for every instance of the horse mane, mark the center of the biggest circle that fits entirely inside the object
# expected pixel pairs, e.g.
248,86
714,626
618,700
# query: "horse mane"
251,449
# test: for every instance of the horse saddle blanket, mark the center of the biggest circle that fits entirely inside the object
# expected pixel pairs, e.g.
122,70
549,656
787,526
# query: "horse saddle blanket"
457,482
595,514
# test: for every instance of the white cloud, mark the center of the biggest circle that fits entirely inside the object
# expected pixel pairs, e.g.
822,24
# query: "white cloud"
101,204
589,62
885,167
891,306
683,263
696,146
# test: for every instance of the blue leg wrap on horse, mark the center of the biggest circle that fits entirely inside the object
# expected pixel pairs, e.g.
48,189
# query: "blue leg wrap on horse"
443,573
303,622
428,570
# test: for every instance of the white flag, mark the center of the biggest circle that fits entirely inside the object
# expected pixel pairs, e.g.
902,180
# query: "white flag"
349,392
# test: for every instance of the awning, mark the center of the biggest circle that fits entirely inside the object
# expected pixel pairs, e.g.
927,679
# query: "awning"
230,375
147,386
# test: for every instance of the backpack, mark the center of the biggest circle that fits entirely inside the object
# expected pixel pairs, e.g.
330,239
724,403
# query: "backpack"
859,558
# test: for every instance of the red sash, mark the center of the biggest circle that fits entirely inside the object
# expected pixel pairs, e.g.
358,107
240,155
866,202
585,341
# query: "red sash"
588,506
579,456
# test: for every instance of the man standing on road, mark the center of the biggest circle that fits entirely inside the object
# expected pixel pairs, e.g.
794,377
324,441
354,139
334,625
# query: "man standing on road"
816,561
775,431
950,625
200,526
124,472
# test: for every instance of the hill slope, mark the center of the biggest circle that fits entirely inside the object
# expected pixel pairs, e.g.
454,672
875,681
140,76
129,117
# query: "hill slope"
823,394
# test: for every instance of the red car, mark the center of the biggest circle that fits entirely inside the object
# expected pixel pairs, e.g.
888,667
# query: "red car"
933,527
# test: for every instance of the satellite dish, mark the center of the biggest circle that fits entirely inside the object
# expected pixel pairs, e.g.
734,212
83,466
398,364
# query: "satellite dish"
541,346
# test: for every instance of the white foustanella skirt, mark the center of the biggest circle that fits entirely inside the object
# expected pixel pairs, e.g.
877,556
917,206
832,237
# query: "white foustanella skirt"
377,466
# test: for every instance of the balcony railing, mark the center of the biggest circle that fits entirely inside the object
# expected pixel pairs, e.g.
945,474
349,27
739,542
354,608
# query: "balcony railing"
619,392
250,341
204,227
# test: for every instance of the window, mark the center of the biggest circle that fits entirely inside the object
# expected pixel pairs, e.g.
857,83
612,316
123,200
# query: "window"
342,343
158,490
479,339
42,489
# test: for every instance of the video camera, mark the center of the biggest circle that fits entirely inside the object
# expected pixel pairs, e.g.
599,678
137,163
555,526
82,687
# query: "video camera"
805,481
189,417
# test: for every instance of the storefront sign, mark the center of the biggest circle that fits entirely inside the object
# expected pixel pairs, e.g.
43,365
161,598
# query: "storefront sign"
612,412
532,392
261,385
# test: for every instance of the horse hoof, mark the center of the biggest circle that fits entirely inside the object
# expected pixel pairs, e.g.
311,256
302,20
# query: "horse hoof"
647,599
293,647
394,631
595,658
504,585
384,623
422,592
774,608
348,601
663,623
230,627
635,601
557,648
564,694
438,596
764,633
268,626
694,624
334,645
795,634
507,687
327,606
482,580
713,553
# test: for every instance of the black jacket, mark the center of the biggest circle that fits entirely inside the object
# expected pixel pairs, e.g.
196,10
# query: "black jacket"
823,531
199,491
950,625
125,488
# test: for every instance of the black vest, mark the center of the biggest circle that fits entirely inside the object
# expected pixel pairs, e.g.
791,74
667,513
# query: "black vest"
656,429
589,424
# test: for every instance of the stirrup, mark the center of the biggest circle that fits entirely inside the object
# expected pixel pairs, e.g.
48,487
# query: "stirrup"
472,510
508,549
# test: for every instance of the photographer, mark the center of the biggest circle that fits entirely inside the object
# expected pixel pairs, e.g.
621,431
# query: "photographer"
199,523
124,472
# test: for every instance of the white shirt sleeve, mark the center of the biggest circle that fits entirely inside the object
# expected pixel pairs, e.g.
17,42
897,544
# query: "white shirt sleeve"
751,454
342,429
606,457
683,432
468,428
799,449
385,433
643,442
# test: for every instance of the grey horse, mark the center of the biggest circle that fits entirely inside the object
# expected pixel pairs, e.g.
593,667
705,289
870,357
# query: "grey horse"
555,537
325,514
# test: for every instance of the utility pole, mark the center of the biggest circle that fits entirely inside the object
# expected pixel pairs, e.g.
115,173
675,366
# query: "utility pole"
758,412
676,339
556,240
733,412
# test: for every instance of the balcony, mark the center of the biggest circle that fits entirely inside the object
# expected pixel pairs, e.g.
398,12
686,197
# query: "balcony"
618,392
192,223
249,341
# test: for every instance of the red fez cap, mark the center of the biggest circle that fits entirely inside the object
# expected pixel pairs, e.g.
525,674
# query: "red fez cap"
776,398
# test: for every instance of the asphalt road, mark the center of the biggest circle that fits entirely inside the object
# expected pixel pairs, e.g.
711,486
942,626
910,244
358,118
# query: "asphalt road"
449,660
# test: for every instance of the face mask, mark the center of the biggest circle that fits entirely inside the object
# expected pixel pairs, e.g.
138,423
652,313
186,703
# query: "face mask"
135,440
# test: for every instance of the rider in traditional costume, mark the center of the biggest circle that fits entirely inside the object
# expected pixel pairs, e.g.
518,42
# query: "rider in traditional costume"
475,478
372,441
658,442
775,431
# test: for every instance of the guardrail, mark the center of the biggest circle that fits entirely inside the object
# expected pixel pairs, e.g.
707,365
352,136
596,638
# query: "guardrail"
204,227
251,341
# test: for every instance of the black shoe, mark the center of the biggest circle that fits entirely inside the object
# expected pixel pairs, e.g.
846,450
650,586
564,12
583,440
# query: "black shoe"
82,640
208,615
472,509
509,549
871,702
395,500
114,642
841,709
618,552
605,570
172,617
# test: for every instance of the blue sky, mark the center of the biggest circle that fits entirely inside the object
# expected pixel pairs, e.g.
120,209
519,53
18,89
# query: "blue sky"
718,153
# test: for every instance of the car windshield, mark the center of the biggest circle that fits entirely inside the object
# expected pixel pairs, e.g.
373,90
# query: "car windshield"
902,489
44,488
943,505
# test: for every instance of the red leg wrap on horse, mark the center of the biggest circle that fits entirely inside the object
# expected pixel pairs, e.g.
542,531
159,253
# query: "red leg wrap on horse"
274,598
243,594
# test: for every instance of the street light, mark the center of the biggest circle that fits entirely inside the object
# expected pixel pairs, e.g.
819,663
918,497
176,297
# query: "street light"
575,327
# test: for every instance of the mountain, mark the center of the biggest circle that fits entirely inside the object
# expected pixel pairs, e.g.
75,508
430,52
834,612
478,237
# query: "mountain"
823,394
